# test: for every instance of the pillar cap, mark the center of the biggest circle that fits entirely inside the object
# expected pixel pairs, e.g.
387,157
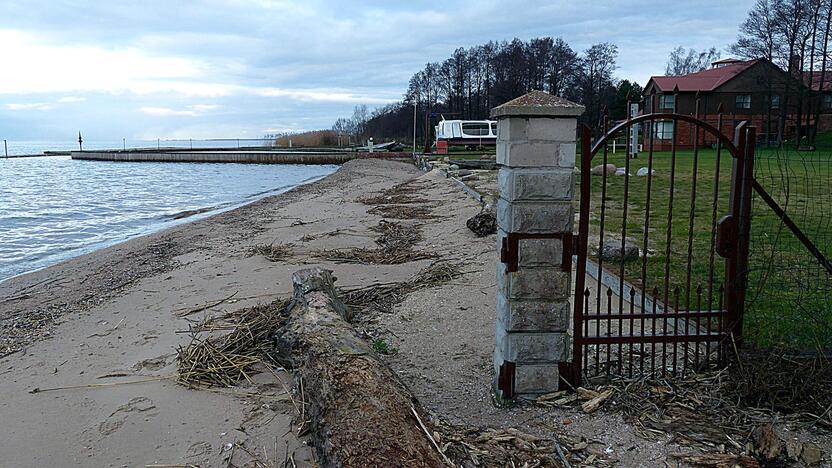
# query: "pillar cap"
538,104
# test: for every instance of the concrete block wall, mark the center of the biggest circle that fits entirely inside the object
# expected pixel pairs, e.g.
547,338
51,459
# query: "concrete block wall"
536,140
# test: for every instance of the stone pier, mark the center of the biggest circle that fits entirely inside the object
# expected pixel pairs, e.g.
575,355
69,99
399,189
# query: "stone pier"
536,141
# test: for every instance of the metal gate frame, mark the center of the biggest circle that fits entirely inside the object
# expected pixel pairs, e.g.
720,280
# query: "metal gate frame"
729,240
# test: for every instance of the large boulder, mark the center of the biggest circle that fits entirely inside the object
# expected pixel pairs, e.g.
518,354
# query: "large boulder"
612,251
643,171
601,168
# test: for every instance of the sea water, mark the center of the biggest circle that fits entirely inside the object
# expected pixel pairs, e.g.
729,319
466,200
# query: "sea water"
54,208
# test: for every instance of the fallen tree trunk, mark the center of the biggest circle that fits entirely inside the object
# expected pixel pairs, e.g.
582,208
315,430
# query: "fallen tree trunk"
359,411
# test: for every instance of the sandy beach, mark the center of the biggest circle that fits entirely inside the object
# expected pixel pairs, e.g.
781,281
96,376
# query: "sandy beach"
88,373
111,317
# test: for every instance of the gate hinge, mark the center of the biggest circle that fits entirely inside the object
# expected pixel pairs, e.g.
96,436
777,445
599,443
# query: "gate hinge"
505,379
726,236
510,248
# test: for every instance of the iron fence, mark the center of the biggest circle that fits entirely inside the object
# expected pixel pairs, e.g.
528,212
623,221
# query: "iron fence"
789,298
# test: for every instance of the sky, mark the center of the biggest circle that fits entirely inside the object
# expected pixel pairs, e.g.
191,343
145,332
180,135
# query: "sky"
241,69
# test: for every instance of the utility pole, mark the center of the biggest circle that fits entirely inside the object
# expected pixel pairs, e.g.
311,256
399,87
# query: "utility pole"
6,147
415,103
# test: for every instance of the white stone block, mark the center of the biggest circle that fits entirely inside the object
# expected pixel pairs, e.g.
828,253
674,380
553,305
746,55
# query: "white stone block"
536,253
512,129
524,348
566,155
540,316
535,379
541,284
529,184
534,217
528,154
551,129
540,253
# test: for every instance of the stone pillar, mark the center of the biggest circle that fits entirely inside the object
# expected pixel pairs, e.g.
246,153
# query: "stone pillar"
536,153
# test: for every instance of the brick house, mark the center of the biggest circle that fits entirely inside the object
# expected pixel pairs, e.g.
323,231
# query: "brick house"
754,90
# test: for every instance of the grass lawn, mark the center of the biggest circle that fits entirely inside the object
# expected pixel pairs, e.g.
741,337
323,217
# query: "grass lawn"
788,297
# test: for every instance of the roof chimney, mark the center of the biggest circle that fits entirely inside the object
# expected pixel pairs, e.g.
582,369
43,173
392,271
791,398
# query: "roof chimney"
796,64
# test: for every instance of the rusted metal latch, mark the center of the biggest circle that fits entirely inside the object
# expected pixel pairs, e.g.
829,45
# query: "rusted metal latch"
505,379
727,236
510,249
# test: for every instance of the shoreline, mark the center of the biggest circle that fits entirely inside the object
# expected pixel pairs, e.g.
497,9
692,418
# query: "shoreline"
169,221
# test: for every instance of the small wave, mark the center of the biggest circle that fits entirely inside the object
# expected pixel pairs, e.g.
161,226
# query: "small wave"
189,213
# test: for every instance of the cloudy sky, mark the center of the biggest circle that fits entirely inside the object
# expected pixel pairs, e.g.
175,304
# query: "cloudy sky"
242,68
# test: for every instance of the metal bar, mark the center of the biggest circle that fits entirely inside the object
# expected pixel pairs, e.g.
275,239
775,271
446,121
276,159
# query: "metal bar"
665,116
669,233
676,331
698,322
580,272
647,224
692,214
601,232
712,253
609,312
600,340
632,311
744,231
658,315
732,262
810,246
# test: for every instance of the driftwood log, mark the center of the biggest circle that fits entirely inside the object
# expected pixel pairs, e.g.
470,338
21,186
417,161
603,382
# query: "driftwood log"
360,414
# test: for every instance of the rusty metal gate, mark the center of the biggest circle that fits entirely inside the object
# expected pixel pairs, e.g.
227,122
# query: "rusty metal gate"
666,248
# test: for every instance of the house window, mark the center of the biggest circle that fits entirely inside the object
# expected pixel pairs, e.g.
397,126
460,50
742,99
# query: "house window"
667,101
827,101
775,102
663,130
743,101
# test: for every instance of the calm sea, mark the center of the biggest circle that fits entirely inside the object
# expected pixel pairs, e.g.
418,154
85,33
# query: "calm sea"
54,208
16,147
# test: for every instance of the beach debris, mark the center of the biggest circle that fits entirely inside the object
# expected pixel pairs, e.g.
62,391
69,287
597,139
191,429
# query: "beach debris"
396,242
596,401
403,212
483,223
383,297
474,446
719,460
733,407
227,359
209,305
401,194
272,252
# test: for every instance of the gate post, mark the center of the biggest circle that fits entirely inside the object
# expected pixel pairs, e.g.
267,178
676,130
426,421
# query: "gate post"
536,153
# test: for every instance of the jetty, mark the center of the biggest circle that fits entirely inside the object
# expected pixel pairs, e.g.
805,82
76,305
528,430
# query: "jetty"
248,156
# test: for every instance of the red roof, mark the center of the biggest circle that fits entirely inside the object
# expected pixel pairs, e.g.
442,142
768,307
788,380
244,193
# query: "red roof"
705,80
815,77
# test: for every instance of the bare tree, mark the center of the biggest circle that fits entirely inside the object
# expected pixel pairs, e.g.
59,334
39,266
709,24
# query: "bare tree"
683,62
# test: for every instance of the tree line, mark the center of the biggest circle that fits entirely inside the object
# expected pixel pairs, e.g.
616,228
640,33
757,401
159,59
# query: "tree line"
469,83
792,34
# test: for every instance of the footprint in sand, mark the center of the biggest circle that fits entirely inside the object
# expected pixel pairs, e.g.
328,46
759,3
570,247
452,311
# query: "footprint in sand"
118,417
152,364
198,449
